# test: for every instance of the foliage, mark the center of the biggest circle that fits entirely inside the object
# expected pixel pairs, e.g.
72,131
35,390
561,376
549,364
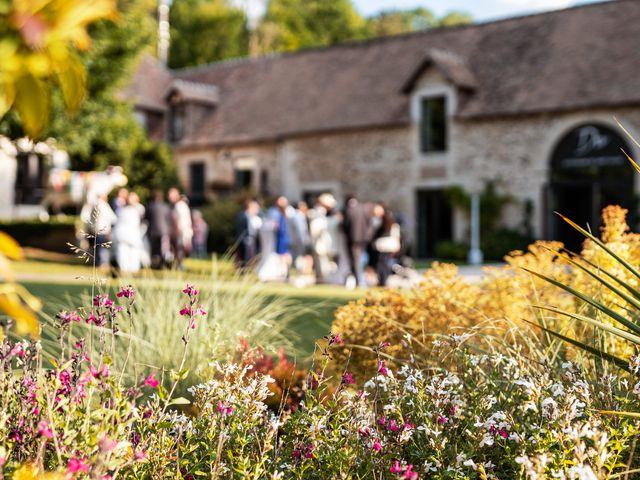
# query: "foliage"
243,312
295,24
51,235
39,42
469,420
394,22
15,301
206,31
497,243
451,250
445,301
221,216
151,168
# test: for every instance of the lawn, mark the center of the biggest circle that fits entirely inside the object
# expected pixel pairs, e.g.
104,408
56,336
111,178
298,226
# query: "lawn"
60,284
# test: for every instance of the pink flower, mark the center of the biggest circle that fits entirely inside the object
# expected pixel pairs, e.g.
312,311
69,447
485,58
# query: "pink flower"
409,473
393,426
140,455
347,379
45,430
17,350
396,467
503,433
126,292
224,408
377,446
442,420
408,426
382,368
383,345
337,339
190,290
76,465
106,444
102,373
151,381
68,317
382,421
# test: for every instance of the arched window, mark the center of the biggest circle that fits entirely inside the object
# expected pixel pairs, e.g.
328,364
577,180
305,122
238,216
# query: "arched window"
589,171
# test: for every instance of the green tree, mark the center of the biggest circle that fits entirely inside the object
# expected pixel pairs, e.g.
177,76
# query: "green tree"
294,24
204,31
394,22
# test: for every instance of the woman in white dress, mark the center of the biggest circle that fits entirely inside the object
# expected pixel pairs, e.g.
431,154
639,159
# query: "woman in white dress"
127,236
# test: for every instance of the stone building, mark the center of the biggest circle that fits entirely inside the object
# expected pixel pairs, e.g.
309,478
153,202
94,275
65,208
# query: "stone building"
528,103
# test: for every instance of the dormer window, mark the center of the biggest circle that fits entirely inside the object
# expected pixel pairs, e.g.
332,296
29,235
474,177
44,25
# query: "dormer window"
433,124
177,122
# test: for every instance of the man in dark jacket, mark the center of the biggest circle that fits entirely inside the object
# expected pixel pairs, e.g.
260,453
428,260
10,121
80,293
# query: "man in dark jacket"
357,229
158,217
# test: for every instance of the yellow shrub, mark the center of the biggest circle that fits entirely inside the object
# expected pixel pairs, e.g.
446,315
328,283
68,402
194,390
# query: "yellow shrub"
446,301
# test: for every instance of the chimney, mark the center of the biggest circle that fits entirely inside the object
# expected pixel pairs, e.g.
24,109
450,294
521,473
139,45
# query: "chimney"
163,31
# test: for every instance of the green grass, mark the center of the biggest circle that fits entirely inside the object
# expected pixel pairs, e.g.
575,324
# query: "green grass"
317,304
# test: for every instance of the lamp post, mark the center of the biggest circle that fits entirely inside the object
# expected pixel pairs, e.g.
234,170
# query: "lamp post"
163,31
475,253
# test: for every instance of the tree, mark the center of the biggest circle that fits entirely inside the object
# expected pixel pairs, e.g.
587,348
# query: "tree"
394,22
294,24
39,44
205,31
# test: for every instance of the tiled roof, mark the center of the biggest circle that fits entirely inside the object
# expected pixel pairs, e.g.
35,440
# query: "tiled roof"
582,57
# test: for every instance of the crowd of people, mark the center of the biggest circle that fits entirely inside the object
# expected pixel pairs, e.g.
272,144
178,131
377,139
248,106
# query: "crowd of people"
356,245
130,236
334,245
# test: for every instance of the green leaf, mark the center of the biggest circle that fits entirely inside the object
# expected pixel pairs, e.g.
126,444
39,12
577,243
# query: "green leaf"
33,104
603,308
617,361
613,330
606,283
601,244
179,401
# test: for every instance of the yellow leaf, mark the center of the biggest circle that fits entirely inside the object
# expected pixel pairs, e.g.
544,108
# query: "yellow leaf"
33,104
72,80
31,472
7,95
10,248
25,319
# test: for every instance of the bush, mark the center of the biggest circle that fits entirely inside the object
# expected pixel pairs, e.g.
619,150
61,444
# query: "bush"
236,307
445,301
51,235
497,244
448,250
221,217
492,415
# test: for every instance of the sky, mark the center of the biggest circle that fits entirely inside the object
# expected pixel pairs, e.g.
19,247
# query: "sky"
480,10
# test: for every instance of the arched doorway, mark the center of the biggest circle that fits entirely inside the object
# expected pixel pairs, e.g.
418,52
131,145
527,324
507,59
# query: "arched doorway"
588,172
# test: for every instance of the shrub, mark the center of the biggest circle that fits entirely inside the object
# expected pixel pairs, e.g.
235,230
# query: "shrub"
236,309
448,250
52,235
221,217
445,301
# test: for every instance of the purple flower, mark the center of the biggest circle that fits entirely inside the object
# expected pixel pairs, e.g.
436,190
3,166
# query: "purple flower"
393,426
76,465
224,408
45,430
347,379
126,292
377,446
190,290
151,381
